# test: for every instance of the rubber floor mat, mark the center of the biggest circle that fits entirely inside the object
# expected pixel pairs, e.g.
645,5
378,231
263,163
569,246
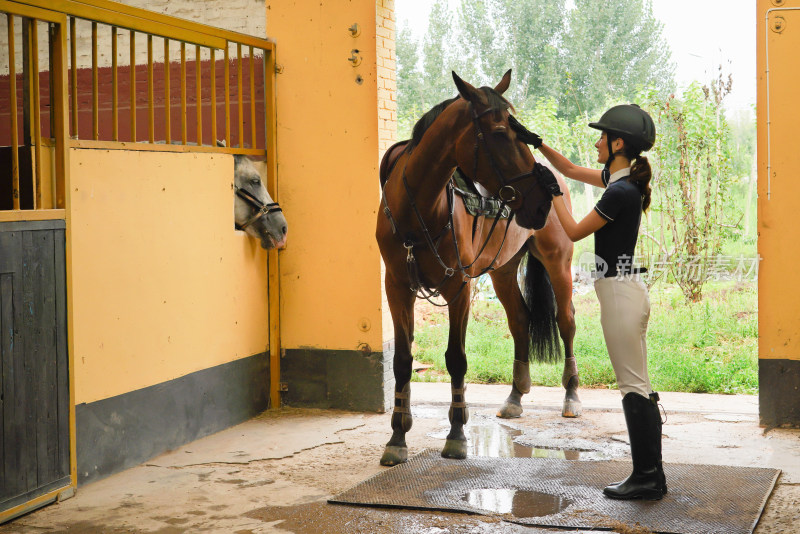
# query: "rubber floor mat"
544,492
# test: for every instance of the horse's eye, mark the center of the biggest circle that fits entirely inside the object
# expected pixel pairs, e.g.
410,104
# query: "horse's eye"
255,181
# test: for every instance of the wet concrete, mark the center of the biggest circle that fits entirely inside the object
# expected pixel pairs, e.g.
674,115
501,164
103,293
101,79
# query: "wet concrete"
275,473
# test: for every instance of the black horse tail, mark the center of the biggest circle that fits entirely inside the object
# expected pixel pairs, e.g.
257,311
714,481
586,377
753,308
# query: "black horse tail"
544,339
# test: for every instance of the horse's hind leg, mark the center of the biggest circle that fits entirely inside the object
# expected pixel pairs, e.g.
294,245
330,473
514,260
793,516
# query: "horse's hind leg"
558,266
401,303
507,290
456,358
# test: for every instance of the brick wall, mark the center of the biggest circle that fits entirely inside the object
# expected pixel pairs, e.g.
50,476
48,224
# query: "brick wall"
387,81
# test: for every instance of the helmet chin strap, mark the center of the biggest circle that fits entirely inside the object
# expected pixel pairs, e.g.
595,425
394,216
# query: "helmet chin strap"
606,172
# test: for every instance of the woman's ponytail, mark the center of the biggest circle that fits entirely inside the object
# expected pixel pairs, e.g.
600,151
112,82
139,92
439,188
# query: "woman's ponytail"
640,171
640,175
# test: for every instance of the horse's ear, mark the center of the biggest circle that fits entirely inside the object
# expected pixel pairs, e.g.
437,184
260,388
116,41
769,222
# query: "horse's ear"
220,143
464,89
504,83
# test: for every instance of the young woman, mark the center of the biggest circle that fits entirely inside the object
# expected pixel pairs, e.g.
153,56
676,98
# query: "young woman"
627,131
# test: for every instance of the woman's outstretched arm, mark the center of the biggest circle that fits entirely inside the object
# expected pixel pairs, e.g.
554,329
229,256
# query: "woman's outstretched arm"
570,170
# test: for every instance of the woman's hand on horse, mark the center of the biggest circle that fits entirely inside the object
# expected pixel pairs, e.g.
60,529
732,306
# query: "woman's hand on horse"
523,134
548,180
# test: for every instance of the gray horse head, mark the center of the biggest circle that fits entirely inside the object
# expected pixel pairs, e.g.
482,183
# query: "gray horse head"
254,211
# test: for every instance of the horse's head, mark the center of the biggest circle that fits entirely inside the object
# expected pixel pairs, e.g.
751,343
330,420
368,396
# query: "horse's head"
492,154
254,211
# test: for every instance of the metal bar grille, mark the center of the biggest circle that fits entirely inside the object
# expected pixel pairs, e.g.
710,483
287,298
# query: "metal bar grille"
73,53
95,87
133,85
183,93
167,107
151,118
97,114
12,80
213,100
252,99
199,95
114,86
239,108
36,119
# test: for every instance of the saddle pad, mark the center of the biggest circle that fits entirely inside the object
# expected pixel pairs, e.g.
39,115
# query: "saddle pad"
476,204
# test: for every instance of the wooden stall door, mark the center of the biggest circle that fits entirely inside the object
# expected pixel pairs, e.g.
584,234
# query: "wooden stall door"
34,382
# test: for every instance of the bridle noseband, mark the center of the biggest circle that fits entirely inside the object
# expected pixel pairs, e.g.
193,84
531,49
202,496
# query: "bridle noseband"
262,209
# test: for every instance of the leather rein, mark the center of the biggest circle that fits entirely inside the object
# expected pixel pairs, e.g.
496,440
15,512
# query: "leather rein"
262,209
507,193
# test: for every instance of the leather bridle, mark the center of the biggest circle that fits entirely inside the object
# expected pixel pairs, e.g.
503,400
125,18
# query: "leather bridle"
262,209
507,193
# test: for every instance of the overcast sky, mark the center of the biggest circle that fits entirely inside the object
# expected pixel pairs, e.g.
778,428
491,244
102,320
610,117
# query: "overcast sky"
702,34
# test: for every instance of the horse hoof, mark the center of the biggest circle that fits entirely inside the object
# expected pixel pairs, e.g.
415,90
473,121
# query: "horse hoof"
393,455
510,411
455,449
572,408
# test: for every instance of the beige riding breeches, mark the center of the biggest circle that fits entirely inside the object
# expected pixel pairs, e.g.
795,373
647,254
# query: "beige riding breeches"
624,313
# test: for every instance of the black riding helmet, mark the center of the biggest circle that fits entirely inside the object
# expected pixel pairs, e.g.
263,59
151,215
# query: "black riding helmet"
630,122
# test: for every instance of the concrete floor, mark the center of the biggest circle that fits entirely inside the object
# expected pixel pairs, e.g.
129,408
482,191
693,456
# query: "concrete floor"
274,473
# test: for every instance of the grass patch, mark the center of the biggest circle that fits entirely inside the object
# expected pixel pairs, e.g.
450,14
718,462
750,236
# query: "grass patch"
708,347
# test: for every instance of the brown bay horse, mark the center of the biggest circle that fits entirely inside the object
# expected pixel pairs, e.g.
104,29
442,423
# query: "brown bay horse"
432,248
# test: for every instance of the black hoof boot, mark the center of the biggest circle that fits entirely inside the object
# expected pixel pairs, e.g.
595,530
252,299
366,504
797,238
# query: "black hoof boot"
647,481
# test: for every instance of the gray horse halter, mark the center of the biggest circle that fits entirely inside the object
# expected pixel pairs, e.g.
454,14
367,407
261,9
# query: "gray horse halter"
262,209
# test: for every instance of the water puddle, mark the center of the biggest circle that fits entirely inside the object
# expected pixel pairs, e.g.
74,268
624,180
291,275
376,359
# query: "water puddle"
497,441
520,503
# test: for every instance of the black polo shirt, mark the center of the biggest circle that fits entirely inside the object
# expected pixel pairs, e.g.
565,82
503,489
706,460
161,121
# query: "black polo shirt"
614,243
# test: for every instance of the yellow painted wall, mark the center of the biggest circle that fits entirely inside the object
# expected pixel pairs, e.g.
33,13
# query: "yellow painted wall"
778,179
162,284
328,173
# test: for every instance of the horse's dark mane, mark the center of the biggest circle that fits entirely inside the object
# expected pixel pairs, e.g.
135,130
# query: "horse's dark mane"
425,122
496,101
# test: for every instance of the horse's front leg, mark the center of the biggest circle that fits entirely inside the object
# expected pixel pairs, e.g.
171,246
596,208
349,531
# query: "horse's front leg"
456,358
401,304
560,273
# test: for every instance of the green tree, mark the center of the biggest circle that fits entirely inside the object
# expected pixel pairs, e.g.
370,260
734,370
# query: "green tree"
522,35
533,32
438,60
409,82
612,48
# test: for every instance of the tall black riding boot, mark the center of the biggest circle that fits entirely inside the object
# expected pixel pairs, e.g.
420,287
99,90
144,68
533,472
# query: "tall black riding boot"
647,480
